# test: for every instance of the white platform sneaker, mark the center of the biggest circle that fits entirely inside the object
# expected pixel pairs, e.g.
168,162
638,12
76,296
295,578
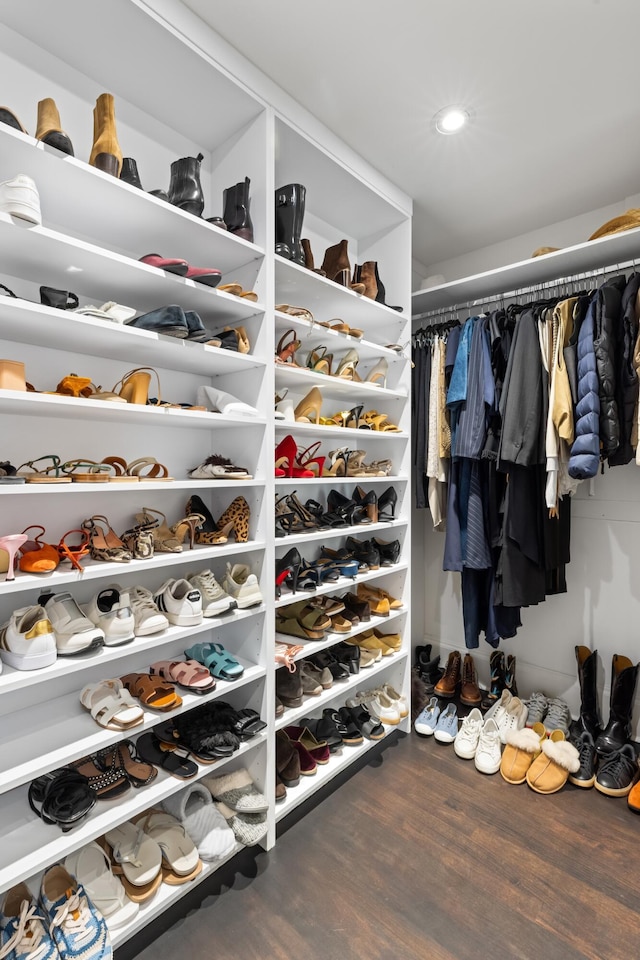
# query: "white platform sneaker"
110,610
214,598
242,585
74,632
27,641
19,197
180,602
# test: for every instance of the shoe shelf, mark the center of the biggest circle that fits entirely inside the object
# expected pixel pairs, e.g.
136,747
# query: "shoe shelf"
132,216
51,734
338,388
164,898
107,569
340,690
17,403
327,300
312,334
22,321
342,583
27,843
349,433
101,274
28,489
325,773
314,646
12,679
330,533
294,482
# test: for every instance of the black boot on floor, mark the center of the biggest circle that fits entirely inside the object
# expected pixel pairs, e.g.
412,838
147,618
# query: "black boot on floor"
185,189
589,719
623,687
290,201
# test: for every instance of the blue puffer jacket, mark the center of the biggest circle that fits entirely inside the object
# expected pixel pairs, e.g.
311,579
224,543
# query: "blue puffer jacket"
585,452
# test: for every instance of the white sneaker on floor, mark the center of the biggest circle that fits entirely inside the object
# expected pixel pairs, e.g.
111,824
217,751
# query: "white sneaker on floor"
19,197
146,616
73,631
242,585
214,598
512,719
180,602
489,750
499,707
468,736
27,641
110,609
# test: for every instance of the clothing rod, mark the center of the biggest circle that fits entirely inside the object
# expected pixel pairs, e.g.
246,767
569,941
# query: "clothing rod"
523,291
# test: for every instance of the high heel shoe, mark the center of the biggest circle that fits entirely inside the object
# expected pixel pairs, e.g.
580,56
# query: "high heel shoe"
366,274
187,527
286,457
164,539
389,551
356,467
306,518
320,361
288,567
106,154
38,557
387,504
12,543
337,462
337,267
134,385
365,551
286,521
286,406
49,128
104,544
308,258
368,503
74,552
378,375
207,532
313,575
325,517
347,366
380,421
305,460
236,518
286,351
312,402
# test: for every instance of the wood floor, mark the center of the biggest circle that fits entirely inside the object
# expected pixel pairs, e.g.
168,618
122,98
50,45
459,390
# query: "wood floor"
420,856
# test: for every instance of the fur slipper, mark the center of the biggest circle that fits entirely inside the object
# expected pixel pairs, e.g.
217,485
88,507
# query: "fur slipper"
196,811
521,749
549,772
248,828
237,790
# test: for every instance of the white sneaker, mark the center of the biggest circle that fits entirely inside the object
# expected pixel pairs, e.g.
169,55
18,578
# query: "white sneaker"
111,610
74,632
180,602
242,585
500,706
214,598
27,641
511,719
147,619
379,705
19,197
398,700
467,737
489,750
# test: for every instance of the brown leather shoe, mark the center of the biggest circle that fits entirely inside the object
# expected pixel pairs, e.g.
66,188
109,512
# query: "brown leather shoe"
470,691
448,683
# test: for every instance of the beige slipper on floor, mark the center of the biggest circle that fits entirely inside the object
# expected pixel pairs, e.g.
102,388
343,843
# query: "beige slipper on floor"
550,770
522,748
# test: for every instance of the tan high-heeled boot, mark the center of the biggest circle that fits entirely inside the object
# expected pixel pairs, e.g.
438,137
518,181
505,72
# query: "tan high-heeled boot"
12,375
308,258
367,274
106,154
337,267
49,128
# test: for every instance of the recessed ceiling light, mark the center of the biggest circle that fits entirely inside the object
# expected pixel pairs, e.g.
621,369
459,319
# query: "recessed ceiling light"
450,119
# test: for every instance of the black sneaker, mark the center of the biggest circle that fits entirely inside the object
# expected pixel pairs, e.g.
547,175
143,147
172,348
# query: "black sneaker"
618,772
586,775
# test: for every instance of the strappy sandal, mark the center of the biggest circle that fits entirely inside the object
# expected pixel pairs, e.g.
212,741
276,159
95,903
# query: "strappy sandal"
51,474
124,759
111,706
164,539
139,541
320,361
301,312
341,327
120,470
9,473
74,552
87,471
148,469
61,797
151,691
106,781
105,544
381,422
151,750
188,674
286,351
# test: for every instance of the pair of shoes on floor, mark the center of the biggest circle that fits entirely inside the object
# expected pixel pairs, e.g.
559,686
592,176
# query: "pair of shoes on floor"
441,724
553,712
614,774
545,763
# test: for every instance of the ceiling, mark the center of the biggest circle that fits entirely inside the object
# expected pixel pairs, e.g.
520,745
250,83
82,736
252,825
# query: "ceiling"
552,86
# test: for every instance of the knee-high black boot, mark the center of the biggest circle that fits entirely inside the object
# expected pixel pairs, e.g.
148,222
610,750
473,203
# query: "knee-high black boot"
290,201
623,687
587,675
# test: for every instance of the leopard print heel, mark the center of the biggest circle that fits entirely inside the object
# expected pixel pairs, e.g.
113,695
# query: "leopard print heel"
236,517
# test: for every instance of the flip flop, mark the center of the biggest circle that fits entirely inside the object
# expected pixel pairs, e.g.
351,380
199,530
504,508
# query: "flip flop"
180,859
151,691
150,750
139,855
220,662
188,674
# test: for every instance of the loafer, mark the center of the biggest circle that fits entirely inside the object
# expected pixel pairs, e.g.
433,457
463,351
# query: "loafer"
170,264
170,320
206,275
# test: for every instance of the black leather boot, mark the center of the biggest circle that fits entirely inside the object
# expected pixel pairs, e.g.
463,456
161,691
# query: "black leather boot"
381,292
129,172
185,189
236,210
428,667
589,719
290,201
623,686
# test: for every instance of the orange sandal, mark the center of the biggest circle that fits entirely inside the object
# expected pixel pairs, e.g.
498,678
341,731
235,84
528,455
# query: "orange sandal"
38,557
152,691
74,552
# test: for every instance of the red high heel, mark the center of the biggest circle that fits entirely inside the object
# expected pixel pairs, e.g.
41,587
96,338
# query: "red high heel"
306,464
287,460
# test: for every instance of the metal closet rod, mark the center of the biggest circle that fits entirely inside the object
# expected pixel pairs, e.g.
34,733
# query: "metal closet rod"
523,291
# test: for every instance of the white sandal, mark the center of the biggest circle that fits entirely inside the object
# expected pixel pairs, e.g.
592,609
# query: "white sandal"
137,855
181,861
91,867
111,706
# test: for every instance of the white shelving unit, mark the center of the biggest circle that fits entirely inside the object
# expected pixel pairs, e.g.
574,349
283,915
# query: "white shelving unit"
94,231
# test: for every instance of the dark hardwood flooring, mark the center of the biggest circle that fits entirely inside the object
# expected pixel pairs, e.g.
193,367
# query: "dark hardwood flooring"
420,856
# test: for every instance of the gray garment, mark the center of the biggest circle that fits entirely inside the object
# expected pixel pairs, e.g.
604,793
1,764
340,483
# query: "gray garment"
522,438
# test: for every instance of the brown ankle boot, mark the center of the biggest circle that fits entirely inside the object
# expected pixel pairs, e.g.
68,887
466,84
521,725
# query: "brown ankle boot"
367,274
336,266
447,685
308,258
469,690
106,154
49,128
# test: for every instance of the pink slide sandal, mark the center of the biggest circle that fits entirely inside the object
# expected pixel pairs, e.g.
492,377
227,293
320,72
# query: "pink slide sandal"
188,674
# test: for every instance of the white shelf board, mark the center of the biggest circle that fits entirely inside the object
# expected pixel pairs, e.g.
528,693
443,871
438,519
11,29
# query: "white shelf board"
342,583
314,646
12,679
22,321
327,300
307,330
103,569
19,403
100,274
348,433
27,843
55,732
165,896
330,533
100,489
363,680
563,263
301,379
324,774
349,481
128,216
